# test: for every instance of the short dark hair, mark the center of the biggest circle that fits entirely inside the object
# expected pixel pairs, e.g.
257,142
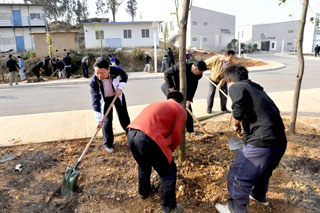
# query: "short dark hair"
19,56
236,73
10,56
202,66
230,52
169,48
101,62
176,95
68,53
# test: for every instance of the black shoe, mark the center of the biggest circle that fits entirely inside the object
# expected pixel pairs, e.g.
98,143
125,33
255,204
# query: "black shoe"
143,197
226,111
209,112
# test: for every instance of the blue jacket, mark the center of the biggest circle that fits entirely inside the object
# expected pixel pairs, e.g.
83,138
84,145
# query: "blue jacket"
119,79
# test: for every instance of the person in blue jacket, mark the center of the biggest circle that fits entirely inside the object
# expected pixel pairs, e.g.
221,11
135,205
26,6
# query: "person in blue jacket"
107,82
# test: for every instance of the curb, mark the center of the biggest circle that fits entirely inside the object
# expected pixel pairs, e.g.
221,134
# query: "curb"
277,66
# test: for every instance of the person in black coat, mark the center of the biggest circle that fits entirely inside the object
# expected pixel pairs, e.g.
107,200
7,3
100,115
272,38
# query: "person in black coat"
67,64
171,57
13,67
194,74
264,138
36,70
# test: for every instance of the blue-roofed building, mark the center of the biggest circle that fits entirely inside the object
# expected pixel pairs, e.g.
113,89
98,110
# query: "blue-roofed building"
17,21
120,34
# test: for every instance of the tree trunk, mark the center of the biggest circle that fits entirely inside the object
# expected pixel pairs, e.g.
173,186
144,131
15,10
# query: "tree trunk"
182,63
292,127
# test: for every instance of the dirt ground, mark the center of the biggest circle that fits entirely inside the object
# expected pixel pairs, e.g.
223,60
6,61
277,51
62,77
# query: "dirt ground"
108,182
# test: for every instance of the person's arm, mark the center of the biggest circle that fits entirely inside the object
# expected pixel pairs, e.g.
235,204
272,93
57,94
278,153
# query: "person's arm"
169,75
96,98
177,128
239,104
117,71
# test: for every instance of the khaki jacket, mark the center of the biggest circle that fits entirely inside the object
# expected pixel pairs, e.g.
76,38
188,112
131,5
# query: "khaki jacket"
215,64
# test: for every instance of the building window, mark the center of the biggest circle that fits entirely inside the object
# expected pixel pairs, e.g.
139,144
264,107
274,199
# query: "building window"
272,45
204,39
145,33
171,26
194,23
205,23
34,16
194,39
289,43
99,34
290,31
127,33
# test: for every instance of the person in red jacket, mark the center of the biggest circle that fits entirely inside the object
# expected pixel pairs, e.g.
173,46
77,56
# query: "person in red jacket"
152,137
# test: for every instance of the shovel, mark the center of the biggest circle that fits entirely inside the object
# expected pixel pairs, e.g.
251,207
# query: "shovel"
206,133
71,176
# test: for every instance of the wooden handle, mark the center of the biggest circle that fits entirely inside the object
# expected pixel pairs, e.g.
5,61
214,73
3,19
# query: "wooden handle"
195,118
98,129
216,86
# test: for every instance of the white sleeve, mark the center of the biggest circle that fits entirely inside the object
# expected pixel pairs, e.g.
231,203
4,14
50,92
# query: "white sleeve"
98,116
122,85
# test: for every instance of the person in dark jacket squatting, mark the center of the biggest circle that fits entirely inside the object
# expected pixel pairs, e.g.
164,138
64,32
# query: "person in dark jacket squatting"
152,137
194,74
264,141
107,82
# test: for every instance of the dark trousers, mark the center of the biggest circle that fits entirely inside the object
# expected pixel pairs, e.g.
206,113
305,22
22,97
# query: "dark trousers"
171,62
121,108
68,71
189,123
212,92
148,154
250,172
85,70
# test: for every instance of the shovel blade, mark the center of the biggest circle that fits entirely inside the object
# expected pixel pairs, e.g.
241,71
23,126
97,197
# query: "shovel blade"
69,181
235,143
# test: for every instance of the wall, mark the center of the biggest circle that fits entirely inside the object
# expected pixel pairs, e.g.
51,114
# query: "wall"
60,41
115,30
276,32
218,31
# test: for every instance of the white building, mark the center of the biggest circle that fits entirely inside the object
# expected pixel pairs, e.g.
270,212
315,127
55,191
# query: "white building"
206,29
17,21
120,34
269,37
312,31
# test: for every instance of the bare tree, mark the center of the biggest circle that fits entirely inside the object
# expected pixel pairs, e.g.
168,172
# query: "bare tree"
113,5
296,95
182,63
132,8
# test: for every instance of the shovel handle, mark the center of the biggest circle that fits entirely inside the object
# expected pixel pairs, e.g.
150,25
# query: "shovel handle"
196,119
216,86
95,134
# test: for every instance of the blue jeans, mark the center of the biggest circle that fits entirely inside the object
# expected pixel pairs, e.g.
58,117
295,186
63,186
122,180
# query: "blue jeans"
148,154
250,172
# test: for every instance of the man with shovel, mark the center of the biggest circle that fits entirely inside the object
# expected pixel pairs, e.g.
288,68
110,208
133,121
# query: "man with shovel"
107,82
218,64
152,137
194,74
264,141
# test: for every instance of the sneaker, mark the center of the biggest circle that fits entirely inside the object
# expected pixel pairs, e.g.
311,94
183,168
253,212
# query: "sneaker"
222,208
109,149
178,209
263,201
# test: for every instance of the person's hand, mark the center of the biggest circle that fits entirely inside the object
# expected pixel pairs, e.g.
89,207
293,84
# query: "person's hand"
237,128
219,86
171,89
100,123
187,104
118,92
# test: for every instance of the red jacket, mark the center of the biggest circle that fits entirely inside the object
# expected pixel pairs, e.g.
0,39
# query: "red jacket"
163,122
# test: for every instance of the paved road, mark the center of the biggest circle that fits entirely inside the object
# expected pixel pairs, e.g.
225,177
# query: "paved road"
30,100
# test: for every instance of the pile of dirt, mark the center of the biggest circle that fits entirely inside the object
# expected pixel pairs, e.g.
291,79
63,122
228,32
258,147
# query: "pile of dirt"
108,182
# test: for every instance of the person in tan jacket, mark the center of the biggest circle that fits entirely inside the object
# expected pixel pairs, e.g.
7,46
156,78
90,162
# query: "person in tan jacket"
217,65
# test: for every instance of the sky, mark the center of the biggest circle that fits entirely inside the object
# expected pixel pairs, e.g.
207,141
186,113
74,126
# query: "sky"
246,11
